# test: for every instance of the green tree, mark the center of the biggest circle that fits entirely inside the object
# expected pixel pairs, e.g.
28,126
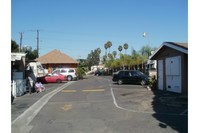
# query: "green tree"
125,46
99,51
14,46
93,58
146,50
106,47
120,48
104,58
80,72
114,54
109,43
30,55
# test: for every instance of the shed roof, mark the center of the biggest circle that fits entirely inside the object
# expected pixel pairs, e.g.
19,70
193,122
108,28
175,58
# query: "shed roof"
179,46
56,57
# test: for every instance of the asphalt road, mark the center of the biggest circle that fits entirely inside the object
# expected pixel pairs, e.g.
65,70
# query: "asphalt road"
97,105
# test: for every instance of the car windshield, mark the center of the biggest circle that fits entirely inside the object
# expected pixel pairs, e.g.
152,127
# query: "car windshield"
140,73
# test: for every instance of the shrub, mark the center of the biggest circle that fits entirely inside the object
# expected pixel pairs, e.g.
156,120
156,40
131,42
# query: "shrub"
80,72
153,83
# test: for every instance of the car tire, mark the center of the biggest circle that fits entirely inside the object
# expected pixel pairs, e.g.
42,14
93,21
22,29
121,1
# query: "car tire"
119,82
58,81
143,82
69,78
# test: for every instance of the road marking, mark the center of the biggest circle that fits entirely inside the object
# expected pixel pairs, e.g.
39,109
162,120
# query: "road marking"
135,111
67,107
69,91
21,123
96,90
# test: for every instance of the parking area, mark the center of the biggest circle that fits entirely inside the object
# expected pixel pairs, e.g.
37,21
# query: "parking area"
139,99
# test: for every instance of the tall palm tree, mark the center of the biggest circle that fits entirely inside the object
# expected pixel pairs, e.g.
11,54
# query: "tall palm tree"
146,50
120,48
125,47
99,51
104,58
109,43
98,54
114,54
106,47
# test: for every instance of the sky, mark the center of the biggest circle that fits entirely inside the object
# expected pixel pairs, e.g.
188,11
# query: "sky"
75,27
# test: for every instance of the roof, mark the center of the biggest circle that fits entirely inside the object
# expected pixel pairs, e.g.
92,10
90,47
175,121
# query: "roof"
182,47
56,57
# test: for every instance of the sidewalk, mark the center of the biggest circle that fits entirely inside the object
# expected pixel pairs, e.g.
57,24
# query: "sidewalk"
23,102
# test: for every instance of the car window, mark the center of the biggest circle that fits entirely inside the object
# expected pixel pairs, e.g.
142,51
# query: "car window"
56,71
126,73
133,73
121,73
139,73
71,71
63,71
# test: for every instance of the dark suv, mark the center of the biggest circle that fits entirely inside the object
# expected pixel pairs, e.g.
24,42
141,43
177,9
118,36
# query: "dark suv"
130,76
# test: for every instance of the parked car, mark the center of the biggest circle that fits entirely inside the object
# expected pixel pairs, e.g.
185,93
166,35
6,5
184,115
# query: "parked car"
58,78
70,73
101,73
130,76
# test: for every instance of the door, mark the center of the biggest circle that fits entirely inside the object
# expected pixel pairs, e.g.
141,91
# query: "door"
173,74
127,77
160,74
135,77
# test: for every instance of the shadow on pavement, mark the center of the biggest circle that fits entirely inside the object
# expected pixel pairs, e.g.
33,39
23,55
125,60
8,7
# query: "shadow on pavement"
171,110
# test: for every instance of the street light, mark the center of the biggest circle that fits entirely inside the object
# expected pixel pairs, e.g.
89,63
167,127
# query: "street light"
145,34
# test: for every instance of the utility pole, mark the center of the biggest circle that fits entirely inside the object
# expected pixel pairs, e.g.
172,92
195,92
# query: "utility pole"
37,43
20,41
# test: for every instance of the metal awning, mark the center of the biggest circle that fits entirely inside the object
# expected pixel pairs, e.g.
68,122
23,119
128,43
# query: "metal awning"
17,56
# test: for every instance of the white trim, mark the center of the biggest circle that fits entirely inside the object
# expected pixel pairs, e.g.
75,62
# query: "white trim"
171,46
176,47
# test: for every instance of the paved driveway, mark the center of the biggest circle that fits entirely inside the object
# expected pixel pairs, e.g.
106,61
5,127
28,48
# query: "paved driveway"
136,98
97,104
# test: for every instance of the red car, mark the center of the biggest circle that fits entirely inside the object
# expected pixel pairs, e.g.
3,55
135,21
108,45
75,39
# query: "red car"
58,78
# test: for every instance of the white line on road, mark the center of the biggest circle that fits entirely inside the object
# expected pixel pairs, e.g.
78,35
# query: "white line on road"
146,112
21,123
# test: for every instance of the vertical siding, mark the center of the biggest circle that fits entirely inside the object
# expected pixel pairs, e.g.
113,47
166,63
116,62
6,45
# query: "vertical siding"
166,52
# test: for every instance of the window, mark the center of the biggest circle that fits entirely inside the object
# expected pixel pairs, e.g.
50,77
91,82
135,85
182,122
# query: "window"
71,71
126,73
56,71
63,71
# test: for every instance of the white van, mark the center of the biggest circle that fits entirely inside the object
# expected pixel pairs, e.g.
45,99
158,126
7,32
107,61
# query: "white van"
70,73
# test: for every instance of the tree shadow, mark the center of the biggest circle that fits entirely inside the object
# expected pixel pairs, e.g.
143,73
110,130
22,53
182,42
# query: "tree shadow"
171,110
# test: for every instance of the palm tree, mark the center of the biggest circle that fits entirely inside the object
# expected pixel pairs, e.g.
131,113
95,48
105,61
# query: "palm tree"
125,47
109,43
120,48
106,46
99,51
104,58
114,54
146,50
